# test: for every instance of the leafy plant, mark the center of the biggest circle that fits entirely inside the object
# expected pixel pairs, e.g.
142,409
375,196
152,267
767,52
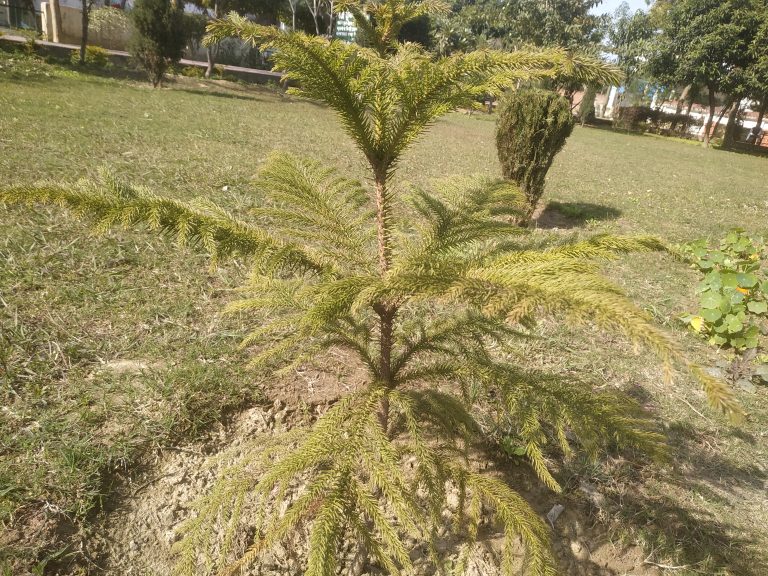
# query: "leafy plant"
428,292
532,128
733,295
193,71
94,56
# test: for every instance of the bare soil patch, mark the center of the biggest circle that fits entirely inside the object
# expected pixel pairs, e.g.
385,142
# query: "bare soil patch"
136,533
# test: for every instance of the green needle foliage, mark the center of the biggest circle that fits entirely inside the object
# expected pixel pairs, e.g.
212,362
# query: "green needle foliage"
532,128
431,291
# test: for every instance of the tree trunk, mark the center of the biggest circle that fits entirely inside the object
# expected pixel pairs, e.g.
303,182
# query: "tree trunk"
385,310
730,127
209,49
84,35
682,98
761,112
688,108
710,116
330,18
313,9
211,63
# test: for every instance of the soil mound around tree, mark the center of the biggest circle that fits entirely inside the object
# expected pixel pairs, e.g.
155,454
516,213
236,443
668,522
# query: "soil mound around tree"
138,529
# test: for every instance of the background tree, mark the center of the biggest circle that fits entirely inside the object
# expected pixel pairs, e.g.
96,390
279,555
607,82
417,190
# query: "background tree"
160,36
704,42
629,37
566,23
757,72
263,9
427,291
317,8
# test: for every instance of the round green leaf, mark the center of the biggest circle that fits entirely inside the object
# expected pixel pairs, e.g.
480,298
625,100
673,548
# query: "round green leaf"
737,297
711,314
728,280
734,325
756,307
711,300
746,280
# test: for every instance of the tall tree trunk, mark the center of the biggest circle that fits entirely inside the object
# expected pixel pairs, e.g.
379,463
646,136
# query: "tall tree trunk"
681,100
710,116
679,107
331,19
209,49
730,127
761,112
84,35
314,9
688,108
385,310
211,63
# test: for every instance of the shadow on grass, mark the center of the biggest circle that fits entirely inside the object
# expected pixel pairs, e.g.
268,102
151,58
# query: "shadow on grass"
683,514
573,214
255,96
745,149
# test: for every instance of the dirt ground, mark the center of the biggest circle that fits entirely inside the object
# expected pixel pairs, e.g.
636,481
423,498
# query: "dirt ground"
137,530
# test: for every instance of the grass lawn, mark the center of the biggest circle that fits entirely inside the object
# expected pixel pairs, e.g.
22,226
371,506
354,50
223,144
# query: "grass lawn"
113,348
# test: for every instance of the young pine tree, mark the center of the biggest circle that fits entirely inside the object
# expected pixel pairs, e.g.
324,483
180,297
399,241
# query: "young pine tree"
159,37
429,290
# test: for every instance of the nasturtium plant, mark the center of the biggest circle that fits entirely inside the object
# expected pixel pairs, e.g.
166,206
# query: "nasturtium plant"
733,295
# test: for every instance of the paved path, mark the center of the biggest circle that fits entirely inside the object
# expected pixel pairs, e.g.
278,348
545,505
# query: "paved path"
262,75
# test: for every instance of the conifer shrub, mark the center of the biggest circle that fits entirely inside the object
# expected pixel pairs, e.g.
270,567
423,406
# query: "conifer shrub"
429,291
587,106
532,128
159,38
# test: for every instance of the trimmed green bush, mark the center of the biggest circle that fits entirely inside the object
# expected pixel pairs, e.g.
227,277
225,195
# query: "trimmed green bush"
532,128
95,56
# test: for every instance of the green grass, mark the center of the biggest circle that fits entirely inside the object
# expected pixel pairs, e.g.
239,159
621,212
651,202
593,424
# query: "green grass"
71,304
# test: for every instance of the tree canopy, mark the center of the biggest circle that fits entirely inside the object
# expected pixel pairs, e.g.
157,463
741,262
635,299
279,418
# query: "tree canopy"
566,23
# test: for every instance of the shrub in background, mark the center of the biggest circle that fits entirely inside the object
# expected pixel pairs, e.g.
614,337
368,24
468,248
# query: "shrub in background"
587,106
645,118
193,71
532,128
110,28
94,56
160,36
